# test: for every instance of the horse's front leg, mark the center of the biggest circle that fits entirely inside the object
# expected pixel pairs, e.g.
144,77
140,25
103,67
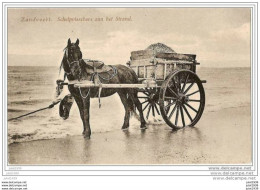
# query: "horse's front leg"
83,106
86,106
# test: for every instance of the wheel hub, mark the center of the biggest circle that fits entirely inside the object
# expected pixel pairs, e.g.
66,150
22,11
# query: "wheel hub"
152,98
182,99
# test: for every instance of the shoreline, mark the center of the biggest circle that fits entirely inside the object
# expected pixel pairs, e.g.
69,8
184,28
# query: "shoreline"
216,139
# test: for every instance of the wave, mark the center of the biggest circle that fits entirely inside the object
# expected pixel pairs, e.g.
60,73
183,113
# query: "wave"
22,135
225,89
30,102
15,110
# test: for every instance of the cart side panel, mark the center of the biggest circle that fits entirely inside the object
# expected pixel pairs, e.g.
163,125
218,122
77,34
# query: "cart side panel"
160,71
165,67
163,70
141,62
144,68
151,72
176,56
142,54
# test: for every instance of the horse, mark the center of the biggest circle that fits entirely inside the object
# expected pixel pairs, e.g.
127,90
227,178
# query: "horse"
76,69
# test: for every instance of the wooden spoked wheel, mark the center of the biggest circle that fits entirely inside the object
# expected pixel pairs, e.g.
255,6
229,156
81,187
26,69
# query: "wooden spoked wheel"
149,99
182,99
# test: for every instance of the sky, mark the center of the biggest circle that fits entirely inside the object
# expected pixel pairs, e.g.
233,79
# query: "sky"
220,37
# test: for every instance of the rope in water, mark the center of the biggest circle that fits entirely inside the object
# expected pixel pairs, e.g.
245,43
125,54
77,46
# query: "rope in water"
48,107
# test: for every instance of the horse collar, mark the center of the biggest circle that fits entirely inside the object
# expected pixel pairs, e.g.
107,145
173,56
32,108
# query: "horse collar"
69,73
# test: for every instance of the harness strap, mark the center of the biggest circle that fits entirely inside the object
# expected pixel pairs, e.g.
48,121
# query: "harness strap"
99,94
84,97
107,79
91,79
98,76
69,73
111,75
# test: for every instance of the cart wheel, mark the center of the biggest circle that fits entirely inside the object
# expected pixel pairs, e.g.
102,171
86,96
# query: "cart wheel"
182,99
149,99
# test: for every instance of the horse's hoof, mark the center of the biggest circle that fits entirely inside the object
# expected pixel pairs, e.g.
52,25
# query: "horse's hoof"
125,129
86,136
143,127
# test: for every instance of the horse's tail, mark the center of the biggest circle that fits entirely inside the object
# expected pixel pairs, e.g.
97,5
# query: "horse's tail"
132,107
131,103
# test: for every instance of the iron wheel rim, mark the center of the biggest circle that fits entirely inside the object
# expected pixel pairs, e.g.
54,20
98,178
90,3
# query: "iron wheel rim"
186,109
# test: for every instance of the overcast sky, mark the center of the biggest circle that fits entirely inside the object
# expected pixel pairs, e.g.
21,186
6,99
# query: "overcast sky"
219,36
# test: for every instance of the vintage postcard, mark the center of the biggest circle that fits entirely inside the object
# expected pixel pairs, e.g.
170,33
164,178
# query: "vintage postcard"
130,86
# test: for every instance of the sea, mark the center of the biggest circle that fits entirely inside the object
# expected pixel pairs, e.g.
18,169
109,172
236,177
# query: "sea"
31,88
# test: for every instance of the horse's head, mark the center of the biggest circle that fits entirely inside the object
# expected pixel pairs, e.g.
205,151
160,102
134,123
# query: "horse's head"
71,59
72,51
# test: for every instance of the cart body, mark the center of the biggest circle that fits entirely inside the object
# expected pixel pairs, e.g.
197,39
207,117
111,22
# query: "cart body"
157,66
167,81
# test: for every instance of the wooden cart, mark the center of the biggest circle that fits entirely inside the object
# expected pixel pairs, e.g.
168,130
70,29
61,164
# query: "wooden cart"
168,86
171,84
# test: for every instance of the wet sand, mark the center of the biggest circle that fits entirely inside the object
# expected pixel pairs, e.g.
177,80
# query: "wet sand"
220,137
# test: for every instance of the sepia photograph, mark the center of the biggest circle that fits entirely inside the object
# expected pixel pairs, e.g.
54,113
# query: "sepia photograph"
129,86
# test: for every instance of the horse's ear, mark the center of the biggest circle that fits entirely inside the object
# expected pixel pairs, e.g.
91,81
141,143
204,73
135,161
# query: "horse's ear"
69,42
77,42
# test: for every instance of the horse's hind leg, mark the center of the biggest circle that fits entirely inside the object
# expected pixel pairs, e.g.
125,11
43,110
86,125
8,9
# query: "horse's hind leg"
138,105
125,101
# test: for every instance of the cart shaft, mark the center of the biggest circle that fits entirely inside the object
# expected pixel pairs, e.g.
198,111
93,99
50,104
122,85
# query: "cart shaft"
89,84
82,85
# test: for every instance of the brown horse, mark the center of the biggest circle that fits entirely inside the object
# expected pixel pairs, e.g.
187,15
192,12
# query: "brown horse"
76,69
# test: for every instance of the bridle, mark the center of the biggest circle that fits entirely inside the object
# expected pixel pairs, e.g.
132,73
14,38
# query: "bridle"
66,53
68,57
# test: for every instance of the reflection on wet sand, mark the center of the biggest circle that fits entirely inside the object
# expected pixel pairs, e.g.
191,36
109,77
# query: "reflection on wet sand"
204,144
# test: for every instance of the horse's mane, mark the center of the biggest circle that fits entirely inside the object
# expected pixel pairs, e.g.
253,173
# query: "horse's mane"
62,61
61,64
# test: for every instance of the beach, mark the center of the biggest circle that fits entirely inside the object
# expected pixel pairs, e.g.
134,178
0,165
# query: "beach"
222,136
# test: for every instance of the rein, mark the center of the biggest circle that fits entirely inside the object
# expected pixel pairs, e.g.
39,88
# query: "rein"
69,73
